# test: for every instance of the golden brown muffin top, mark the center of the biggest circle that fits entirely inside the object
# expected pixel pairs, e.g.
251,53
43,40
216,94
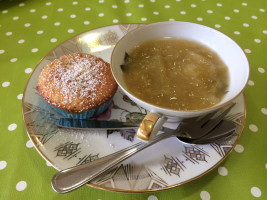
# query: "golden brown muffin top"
77,82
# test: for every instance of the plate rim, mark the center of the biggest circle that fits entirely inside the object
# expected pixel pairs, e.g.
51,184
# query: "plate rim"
116,189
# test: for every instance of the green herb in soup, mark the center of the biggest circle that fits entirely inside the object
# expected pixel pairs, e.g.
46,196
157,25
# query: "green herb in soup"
175,74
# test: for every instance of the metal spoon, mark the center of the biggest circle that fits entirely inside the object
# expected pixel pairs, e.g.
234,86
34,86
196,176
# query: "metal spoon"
74,177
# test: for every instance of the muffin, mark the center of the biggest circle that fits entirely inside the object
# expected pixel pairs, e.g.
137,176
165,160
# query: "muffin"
78,85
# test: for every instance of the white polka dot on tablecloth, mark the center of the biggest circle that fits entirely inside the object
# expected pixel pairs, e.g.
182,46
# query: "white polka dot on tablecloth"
60,9
182,12
3,164
219,4
114,6
253,127
239,148
153,1
5,11
57,24
44,17
115,20
53,40
86,22
20,96
21,41
74,2
255,191
264,31
200,19
167,6
28,70
264,111
227,18
40,32
73,16
251,83
12,127
101,14
244,4
237,32
126,1
8,33
29,144
48,3
171,19
27,25
48,164
246,25
266,166
254,17
21,4
257,40
13,60
128,14
247,50
217,25
87,9
261,70
155,12
2,51
21,185
34,50
209,11
143,19
141,5
32,10
15,18
236,10
6,84
204,195
262,10
193,5
70,30
152,197
222,171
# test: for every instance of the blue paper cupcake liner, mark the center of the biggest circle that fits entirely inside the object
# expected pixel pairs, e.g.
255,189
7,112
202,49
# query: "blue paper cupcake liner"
85,114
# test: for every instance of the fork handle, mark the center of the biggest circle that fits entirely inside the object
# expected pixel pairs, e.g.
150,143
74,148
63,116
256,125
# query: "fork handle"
75,177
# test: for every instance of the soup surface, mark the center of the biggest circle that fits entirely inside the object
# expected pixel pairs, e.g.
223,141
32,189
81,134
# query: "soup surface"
175,74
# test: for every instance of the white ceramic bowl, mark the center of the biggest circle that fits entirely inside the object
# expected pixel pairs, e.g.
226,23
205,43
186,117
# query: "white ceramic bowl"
231,54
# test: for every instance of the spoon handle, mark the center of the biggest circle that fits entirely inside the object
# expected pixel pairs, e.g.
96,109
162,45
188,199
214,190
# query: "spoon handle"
75,177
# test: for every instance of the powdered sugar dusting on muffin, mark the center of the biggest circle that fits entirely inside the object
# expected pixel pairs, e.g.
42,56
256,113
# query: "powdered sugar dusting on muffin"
78,81
74,76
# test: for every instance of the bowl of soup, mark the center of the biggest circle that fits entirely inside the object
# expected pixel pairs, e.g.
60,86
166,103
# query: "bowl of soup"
179,69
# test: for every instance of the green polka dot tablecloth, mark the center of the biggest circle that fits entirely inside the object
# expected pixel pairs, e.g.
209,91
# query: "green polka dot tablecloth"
30,29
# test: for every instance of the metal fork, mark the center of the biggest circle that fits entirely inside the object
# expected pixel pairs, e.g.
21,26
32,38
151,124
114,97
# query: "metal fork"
197,127
75,177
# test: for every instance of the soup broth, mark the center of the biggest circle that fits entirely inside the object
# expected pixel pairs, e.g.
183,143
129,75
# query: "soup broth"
175,74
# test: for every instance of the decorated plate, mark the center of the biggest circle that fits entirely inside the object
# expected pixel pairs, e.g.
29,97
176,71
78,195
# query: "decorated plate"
165,165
